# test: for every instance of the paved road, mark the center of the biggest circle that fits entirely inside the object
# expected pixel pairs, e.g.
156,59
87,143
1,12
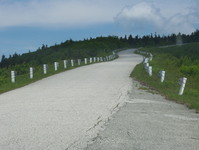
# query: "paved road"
149,122
65,110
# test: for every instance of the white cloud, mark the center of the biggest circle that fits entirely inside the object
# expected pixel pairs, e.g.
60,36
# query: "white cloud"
157,16
139,16
148,16
179,23
54,13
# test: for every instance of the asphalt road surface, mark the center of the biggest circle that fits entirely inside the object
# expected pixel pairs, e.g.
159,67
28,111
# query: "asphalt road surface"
149,122
67,110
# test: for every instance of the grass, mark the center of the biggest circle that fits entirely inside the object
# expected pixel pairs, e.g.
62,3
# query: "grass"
170,87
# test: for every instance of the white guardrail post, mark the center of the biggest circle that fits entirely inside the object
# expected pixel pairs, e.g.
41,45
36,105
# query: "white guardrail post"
90,60
150,70
162,75
31,72
146,60
72,63
56,65
45,68
150,57
65,64
85,61
107,58
94,59
182,82
146,67
79,62
13,76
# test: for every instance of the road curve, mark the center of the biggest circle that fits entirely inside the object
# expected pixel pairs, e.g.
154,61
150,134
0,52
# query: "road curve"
62,110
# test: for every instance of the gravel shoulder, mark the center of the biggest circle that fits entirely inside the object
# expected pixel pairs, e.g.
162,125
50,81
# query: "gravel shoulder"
149,122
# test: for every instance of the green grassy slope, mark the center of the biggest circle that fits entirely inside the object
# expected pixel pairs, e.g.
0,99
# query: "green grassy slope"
177,61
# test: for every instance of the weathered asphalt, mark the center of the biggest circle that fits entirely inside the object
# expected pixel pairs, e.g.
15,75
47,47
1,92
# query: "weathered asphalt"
149,122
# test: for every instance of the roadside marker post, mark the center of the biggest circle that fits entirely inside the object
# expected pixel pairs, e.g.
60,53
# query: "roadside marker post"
91,60
85,61
72,63
146,60
150,70
13,76
182,82
94,59
45,68
31,72
65,64
56,65
107,58
79,62
146,67
162,75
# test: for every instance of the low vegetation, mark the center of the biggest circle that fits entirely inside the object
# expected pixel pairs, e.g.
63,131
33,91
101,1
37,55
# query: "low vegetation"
178,61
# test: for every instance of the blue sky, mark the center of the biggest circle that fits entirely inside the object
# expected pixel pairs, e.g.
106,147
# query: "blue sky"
27,24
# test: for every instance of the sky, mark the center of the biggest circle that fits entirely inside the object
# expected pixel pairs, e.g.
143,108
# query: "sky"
27,24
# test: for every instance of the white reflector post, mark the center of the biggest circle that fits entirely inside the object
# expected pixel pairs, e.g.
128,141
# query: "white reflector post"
13,76
182,83
107,58
72,63
150,70
162,76
31,72
85,61
55,65
151,57
65,64
91,60
94,59
146,67
79,62
146,60
45,68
